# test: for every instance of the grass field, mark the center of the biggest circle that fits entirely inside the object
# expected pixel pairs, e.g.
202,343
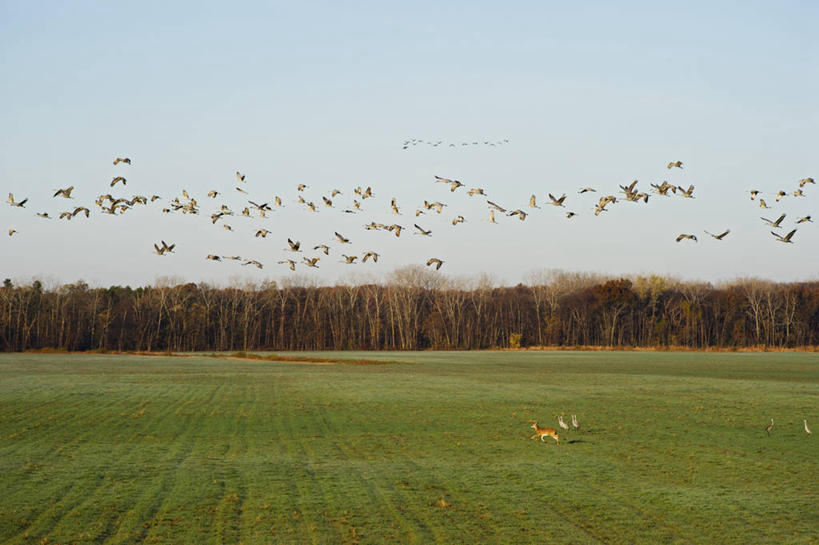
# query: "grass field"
431,447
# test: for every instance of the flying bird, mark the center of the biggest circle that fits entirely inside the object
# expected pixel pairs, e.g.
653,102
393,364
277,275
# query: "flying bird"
421,231
20,204
677,164
804,219
65,192
125,160
290,263
341,238
787,238
311,262
435,261
683,236
372,255
804,181
240,177
118,179
294,246
586,190
12,231
496,207
254,263
349,259
323,247
533,202
774,224
557,202
720,236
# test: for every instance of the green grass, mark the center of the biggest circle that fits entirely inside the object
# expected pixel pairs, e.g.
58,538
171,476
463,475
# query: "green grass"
126,449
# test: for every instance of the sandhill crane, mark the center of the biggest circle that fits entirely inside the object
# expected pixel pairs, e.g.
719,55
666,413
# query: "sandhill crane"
335,192
798,193
662,189
300,200
213,193
457,220
677,164
453,184
20,204
214,257
370,254
277,200
533,202
227,227
294,246
125,160
323,247
754,193
519,213
629,189
349,259
419,212
575,423
396,229
44,215
302,187
492,216
240,177
557,202
155,197
311,262
421,231
586,190
805,422
496,207
262,233
769,427
787,238
570,215
240,190
342,239
12,232
435,261
763,204
774,224
290,263
780,195
232,257
119,179
690,237
804,181
65,192
65,215
79,210
719,236
394,206
158,250
254,263
185,194
475,191
327,202
804,219
562,423
687,193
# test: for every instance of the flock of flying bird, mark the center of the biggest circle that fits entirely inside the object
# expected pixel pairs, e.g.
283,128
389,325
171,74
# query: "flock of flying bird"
414,142
185,204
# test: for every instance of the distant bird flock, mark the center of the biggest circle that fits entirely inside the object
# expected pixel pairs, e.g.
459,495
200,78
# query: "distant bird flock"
458,190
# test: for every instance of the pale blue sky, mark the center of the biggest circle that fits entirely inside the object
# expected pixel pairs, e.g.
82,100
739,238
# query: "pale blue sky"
324,93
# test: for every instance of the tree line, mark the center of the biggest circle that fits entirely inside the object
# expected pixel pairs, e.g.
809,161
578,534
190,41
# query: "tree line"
412,309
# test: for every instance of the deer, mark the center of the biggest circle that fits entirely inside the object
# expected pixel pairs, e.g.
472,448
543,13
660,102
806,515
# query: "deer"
543,433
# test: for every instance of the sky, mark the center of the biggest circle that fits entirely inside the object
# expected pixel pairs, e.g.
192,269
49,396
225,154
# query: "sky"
326,94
